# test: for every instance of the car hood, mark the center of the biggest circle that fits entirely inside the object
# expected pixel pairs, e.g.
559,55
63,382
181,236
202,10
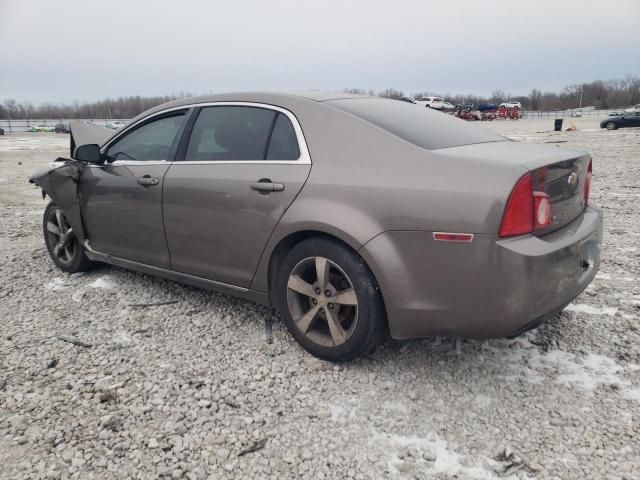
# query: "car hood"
87,133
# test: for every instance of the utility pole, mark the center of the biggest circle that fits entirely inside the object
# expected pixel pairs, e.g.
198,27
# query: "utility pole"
581,90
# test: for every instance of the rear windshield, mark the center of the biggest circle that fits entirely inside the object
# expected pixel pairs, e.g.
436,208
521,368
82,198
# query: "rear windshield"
421,126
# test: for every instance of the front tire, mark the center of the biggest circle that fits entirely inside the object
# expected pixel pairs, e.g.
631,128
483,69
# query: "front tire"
611,126
329,300
62,244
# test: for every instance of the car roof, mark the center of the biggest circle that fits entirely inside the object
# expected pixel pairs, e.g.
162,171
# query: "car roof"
269,98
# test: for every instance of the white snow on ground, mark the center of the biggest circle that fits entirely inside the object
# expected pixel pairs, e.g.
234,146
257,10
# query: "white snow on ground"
590,309
56,284
631,394
586,372
447,462
104,282
13,143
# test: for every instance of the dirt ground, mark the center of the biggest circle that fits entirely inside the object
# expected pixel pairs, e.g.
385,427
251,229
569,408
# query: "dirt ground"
193,389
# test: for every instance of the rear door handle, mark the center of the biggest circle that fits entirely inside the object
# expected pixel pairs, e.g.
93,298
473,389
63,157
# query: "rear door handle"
266,185
147,181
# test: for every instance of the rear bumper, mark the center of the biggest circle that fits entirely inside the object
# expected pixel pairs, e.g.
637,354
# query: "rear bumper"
489,288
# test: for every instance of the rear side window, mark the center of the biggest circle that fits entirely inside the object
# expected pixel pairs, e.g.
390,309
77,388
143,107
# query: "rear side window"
283,144
421,126
230,133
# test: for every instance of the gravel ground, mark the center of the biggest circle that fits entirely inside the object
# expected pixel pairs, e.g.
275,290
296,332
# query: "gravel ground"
189,389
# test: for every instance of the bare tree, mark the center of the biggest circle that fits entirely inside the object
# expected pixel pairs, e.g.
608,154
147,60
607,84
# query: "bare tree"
11,106
391,93
498,96
534,99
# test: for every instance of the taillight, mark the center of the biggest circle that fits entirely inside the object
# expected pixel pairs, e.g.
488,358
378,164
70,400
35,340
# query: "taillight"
518,216
587,184
527,210
542,210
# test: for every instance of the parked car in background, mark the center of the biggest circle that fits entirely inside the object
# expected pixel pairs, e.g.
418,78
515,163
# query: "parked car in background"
62,127
448,106
615,114
432,102
41,128
511,104
485,107
465,106
635,108
629,119
407,99
1,131
219,191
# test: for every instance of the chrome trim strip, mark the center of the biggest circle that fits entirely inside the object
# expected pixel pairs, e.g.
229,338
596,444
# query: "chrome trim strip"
171,273
124,163
304,159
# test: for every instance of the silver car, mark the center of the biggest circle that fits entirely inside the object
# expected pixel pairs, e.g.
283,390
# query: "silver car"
355,217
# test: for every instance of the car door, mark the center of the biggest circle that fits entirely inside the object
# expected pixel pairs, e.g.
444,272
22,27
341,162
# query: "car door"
121,199
235,175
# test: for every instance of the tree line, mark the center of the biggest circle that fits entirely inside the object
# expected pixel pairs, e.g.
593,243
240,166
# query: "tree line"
601,94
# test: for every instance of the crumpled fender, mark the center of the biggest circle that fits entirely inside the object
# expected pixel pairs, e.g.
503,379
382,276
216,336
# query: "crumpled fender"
59,180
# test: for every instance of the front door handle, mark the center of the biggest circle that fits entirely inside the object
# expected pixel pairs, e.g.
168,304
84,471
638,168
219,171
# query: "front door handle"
265,185
147,181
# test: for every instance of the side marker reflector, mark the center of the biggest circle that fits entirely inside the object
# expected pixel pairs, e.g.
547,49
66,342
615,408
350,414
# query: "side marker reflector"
453,237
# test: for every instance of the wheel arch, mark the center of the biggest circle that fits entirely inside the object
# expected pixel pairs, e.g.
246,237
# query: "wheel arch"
293,238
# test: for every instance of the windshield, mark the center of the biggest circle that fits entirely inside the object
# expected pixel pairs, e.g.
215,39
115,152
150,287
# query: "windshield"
423,127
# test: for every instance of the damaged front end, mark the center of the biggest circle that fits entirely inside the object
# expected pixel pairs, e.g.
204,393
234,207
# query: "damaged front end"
59,179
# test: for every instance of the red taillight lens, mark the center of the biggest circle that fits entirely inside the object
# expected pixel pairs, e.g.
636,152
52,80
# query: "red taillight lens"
527,210
587,184
518,216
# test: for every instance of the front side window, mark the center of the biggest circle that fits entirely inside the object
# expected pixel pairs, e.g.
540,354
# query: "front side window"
151,141
231,133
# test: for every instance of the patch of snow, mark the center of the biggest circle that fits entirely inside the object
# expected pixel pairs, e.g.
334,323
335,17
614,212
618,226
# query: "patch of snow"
586,372
77,296
103,282
56,284
527,363
591,310
343,413
447,462
631,394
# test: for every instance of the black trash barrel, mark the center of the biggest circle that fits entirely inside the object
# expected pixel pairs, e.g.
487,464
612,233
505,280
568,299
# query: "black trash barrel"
557,125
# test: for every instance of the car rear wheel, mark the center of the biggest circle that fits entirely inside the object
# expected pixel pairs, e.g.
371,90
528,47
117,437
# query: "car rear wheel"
329,300
62,244
611,126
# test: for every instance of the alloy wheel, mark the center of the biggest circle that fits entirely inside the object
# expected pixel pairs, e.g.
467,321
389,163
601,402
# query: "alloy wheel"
61,237
322,301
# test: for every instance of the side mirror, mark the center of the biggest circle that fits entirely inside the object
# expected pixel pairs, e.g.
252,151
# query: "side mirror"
88,153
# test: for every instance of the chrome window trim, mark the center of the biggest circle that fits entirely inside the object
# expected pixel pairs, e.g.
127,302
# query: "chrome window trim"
304,159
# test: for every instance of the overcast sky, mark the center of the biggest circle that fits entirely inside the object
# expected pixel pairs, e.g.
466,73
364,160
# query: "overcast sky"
65,50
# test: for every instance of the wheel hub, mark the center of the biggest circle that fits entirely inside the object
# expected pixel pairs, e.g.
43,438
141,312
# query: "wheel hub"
322,301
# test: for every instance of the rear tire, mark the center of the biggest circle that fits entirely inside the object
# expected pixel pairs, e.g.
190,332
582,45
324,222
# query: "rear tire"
62,244
329,300
611,126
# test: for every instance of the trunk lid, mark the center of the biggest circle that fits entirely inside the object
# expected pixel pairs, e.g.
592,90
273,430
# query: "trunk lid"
558,172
